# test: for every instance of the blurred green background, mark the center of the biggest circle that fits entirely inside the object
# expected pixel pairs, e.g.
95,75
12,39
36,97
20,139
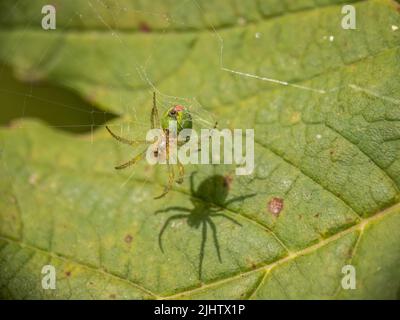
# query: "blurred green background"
42,101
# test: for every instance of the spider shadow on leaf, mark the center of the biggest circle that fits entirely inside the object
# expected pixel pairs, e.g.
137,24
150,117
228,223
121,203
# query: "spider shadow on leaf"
208,200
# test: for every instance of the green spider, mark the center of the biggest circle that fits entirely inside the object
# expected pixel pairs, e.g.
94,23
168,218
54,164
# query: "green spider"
183,119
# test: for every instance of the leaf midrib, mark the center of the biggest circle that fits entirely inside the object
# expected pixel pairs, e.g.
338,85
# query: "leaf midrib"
289,256
267,267
80,264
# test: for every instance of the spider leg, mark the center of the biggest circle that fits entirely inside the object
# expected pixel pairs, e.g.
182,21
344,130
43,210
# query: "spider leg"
240,198
123,140
171,174
181,170
225,216
202,247
176,217
155,120
132,161
170,182
214,233
192,191
183,209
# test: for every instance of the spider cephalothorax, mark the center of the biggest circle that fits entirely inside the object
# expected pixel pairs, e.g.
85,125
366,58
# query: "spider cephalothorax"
181,115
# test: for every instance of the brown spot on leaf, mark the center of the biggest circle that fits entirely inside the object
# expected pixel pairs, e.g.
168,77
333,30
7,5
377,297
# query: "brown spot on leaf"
68,273
144,27
112,296
275,206
251,263
128,238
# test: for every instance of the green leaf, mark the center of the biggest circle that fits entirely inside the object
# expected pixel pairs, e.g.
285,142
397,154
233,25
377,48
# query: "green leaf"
327,147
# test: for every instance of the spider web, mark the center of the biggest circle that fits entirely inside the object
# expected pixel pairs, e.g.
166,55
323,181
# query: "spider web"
201,113
140,70
123,126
